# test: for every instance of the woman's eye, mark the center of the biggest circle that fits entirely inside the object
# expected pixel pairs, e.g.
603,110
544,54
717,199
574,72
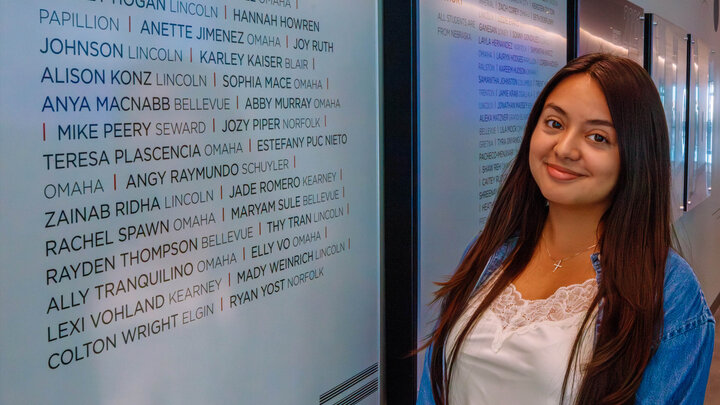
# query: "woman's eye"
553,124
598,138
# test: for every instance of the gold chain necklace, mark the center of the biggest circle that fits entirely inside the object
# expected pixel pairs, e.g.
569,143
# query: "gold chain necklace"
558,262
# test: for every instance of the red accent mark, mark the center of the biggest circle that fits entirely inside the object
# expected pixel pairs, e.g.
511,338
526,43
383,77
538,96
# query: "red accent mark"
348,208
325,231
213,124
348,243
129,23
343,193
214,80
221,303
294,165
228,279
340,174
249,145
43,132
296,3
237,102
327,83
226,12
259,228
190,54
325,120
287,45
243,252
313,63
221,191
223,214
114,181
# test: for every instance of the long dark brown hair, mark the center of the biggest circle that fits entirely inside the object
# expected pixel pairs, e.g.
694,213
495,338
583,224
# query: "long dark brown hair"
633,243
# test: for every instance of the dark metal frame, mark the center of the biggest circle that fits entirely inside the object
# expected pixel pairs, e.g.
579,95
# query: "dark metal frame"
573,29
647,57
687,120
400,198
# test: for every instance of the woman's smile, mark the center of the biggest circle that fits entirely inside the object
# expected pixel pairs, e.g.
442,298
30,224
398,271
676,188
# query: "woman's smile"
560,173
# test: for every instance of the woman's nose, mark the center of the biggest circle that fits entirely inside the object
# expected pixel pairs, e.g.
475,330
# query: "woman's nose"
567,146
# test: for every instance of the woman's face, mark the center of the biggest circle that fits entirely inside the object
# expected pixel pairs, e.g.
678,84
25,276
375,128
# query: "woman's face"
574,156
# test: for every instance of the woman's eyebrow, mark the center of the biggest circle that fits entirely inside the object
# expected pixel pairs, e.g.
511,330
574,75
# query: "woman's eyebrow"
601,122
596,121
556,108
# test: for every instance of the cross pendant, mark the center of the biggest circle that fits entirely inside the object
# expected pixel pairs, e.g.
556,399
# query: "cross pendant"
557,265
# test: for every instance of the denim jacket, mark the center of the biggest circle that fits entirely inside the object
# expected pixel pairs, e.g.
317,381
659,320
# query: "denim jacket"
678,372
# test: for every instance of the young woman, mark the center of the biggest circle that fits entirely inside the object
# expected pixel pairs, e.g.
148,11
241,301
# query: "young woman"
571,294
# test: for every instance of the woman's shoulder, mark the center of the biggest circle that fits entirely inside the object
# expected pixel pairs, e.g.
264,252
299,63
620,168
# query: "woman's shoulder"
684,303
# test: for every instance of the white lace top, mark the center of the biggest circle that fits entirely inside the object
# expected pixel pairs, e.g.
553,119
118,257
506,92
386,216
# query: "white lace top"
518,351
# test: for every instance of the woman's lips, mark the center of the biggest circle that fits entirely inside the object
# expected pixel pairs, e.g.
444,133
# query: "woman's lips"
561,173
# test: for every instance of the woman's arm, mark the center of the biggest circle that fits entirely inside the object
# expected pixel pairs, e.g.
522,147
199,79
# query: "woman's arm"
678,373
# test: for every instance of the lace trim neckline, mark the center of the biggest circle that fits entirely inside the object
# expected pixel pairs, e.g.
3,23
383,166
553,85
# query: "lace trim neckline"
590,281
511,313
